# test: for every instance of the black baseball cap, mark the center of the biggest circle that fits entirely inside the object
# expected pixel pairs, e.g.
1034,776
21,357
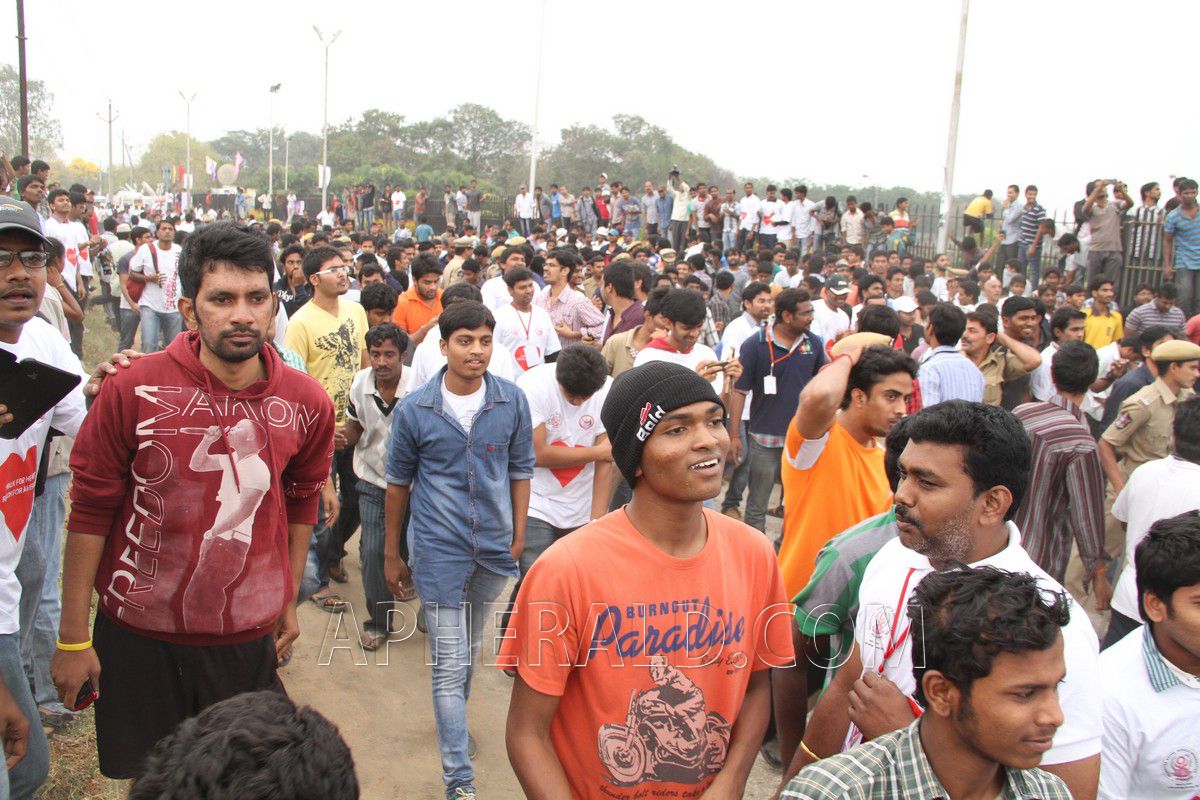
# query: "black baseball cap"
19,216
837,284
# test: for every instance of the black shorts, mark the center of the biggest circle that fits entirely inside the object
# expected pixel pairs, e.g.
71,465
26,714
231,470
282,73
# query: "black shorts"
148,686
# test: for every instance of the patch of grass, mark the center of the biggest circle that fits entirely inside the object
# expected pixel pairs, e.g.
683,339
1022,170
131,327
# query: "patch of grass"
99,340
74,771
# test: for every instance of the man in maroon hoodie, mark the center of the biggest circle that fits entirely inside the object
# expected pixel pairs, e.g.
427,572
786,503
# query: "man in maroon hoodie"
196,481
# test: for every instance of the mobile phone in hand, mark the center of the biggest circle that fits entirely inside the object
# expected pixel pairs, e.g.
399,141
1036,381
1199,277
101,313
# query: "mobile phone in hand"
87,695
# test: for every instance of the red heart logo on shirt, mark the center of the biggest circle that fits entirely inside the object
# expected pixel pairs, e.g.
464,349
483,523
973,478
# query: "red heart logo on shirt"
565,475
17,477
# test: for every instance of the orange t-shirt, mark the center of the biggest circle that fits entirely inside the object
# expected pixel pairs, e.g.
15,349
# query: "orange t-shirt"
829,484
649,654
412,312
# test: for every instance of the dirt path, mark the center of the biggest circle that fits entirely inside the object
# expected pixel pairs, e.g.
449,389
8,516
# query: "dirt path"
381,703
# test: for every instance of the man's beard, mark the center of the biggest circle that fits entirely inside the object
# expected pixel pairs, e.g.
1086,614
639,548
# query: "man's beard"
234,354
952,544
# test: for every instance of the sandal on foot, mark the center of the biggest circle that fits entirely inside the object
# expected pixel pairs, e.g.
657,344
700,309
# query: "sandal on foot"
329,602
372,640
337,571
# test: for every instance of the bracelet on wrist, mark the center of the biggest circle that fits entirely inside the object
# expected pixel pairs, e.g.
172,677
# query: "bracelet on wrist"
74,647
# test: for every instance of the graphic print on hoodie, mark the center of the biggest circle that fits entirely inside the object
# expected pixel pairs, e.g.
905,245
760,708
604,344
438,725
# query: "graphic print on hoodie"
194,485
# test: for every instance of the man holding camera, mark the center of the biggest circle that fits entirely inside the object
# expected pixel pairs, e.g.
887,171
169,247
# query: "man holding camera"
680,209
1104,256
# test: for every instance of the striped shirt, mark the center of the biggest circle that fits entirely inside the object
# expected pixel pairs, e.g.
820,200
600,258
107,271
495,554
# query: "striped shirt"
1147,315
1146,227
1064,499
1185,232
1029,223
946,374
895,766
572,309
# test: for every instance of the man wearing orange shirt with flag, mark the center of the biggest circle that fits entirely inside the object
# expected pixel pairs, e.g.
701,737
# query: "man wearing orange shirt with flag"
833,474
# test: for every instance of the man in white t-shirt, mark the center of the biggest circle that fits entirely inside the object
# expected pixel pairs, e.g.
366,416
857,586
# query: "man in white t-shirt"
156,265
1151,678
526,330
830,317
684,309
757,304
963,472
802,219
428,357
24,337
1156,490
398,201
572,479
495,290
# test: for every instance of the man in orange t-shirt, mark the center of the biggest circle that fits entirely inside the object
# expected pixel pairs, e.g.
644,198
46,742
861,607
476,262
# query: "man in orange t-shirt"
833,475
418,308
642,641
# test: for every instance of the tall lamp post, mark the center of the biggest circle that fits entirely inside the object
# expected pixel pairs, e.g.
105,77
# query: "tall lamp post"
952,141
325,172
537,100
187,178
274,90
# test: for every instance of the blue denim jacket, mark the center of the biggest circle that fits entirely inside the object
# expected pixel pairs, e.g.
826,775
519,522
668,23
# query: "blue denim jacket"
460,504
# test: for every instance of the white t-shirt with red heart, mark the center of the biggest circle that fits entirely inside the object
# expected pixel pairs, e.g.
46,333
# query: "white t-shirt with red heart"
529,335
562,496
19,458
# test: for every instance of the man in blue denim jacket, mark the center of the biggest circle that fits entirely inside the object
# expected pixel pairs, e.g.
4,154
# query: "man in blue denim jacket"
462,453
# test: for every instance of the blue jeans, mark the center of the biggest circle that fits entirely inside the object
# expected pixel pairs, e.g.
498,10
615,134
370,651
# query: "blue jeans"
765,465
455,636
539,535
370,557
127,321
728,239
30,772
40,605
741,474
1032,264
1188,283
155,323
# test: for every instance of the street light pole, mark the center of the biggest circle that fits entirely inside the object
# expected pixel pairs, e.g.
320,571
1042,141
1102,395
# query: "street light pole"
271,146
537,101
109,119
24,87
187,101
952,142
286,152
325,171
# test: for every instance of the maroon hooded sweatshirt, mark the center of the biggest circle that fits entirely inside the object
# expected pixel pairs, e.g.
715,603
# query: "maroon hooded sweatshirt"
194,486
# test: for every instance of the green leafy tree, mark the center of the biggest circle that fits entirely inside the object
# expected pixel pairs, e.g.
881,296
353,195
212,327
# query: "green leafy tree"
45,133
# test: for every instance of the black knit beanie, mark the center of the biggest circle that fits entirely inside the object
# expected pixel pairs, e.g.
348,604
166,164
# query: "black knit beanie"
639,398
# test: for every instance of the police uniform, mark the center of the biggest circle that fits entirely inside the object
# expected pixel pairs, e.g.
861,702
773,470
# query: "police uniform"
1142,430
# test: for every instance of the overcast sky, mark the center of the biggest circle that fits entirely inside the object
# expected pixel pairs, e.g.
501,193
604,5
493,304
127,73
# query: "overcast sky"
1055,93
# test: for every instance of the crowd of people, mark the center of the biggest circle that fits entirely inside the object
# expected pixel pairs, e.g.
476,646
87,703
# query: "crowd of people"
602,402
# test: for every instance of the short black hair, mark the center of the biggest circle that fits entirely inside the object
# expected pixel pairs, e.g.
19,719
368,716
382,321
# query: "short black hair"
879,319
963,618
515,275
316,258
566,258
789,300
1148,337
464,314
226,243
369,268
874,365
378,296
1064,317
894,271
752,290
1168,559
723,280
461,291
424,264
996,448
580,370
986,317
55,194
948,322
619,275
1074,367
1187,429
388,332
1095,283
867,282
19,161
253,745
655,298
1016,304
1074,288
1167,291
39,166
684,306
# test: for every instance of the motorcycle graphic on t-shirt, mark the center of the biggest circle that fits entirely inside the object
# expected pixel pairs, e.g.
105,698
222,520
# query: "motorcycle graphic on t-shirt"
668,734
